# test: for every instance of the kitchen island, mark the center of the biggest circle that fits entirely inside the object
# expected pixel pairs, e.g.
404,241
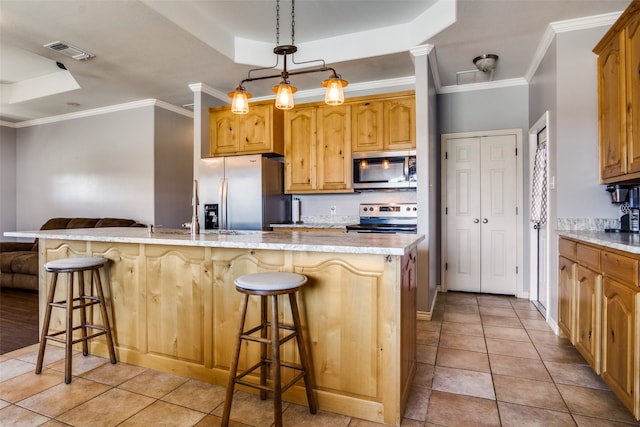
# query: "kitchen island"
174,306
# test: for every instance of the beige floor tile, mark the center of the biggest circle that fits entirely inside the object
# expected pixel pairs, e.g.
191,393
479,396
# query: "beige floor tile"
462,342
539,394
535,324
506,333
426,354
462,308
407,422
560,354
418,403
460,298
595,403
52,354
529,314
16,416
521,304
424,375
463,359
583,421
497,311
357,422
437,315
512,415
63,397
490,301
461,317
505,322
462,381
428,325
26,385
12,368
462,329
518,367
427,337
446,409
547,338
4,403
17,354
247,408
153,383
197,395
113,375
508,348
578,375
54,423
164,414
298,415
213,421
107,409
79,363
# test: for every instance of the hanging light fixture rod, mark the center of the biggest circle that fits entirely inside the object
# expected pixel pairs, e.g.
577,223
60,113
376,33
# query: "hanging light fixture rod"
334,94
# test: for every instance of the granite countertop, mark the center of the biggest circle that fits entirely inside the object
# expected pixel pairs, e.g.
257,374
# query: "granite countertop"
354,243
328,225
627,242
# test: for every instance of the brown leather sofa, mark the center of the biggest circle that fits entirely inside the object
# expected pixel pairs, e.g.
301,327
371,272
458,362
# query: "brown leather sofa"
19,260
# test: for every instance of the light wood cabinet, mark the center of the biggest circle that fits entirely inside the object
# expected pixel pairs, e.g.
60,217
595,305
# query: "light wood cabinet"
408,304
318,150
260,131
384,125
606,307
587,331
620,319
566,309
618,90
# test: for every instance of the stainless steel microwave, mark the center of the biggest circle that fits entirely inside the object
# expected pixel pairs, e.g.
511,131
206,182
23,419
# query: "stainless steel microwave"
384,170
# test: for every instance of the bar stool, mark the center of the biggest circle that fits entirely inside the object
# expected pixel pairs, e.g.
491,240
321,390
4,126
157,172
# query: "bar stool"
81,302
270,284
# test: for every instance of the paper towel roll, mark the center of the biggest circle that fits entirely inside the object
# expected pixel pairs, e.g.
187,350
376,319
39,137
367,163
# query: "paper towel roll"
295,211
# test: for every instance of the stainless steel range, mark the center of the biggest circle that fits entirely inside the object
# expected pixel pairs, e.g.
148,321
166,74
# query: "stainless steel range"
386,218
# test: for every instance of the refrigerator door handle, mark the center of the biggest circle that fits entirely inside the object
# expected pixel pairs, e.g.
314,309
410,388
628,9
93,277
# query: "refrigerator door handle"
223,203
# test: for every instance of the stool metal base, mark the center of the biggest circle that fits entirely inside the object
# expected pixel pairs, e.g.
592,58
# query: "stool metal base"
81,302
275,386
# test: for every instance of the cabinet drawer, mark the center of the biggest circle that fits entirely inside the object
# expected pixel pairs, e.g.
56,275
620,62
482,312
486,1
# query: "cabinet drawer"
588,256
567,248
620,267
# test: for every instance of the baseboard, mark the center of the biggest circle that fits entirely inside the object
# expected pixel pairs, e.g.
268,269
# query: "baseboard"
426,315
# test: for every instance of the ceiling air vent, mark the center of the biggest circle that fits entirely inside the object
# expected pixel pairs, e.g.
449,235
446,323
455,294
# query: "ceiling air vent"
68,50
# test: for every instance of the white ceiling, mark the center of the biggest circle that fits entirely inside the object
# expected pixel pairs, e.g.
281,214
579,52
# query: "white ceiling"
157,48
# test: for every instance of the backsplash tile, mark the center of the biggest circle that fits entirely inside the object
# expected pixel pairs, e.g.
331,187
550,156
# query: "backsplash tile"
330,219
587,224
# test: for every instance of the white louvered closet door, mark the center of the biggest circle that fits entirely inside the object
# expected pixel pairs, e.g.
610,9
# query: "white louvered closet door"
481,231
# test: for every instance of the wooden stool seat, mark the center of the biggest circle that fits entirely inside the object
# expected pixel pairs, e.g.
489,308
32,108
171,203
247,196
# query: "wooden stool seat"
77,266
268,285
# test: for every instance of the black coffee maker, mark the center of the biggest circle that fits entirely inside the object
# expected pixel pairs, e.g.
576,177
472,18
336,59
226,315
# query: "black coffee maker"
628,197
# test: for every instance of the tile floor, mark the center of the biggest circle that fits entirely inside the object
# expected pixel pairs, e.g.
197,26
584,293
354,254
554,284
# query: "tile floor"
483,360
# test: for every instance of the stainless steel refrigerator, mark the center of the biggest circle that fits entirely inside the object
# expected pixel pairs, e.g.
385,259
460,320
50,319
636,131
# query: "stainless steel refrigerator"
242,192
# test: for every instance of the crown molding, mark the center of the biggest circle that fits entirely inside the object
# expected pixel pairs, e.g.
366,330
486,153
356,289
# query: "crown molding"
106,110
204,88
8,124
483,86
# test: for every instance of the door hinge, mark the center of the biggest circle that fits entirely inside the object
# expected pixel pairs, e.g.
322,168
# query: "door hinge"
516,152
446,266
516,269
516,210
446,155
446,211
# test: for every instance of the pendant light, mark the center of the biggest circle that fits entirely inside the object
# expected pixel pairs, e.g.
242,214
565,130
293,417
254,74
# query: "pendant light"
334,93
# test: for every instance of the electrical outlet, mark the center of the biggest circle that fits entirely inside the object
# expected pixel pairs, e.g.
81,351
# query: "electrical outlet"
333,210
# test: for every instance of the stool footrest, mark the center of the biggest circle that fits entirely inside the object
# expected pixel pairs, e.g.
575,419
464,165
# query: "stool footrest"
238,379
53,336
63,304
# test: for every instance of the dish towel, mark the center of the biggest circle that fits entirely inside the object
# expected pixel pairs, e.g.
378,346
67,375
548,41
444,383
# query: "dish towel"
539,186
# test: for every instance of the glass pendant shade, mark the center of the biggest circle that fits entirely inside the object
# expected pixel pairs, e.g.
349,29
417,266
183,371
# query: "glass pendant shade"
284,95
239,101
334,94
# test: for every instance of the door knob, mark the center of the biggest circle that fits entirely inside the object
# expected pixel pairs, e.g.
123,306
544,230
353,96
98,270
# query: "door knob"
476,220
484,221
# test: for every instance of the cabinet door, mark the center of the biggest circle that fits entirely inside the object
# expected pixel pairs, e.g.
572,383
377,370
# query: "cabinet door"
632,60
566,276
611,110
408,310
400,124
368,126
255,130
223,128
334,148
300,150
619,341
587,296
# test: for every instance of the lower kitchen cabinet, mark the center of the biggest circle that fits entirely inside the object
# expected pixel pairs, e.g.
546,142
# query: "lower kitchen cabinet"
599,308
587,334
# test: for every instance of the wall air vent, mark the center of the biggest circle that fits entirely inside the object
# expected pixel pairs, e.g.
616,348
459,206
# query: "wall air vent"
69,50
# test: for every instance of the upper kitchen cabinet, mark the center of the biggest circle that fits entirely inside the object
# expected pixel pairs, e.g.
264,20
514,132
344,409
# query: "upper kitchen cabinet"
258,132
618,90
318,149
385,123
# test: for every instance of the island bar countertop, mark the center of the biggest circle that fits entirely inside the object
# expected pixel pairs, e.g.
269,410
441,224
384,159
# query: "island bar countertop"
353,243
173,305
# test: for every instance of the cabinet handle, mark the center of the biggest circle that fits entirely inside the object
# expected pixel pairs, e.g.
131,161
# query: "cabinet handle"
476,220
484,221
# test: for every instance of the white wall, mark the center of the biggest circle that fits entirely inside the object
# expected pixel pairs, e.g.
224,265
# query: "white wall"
7,180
